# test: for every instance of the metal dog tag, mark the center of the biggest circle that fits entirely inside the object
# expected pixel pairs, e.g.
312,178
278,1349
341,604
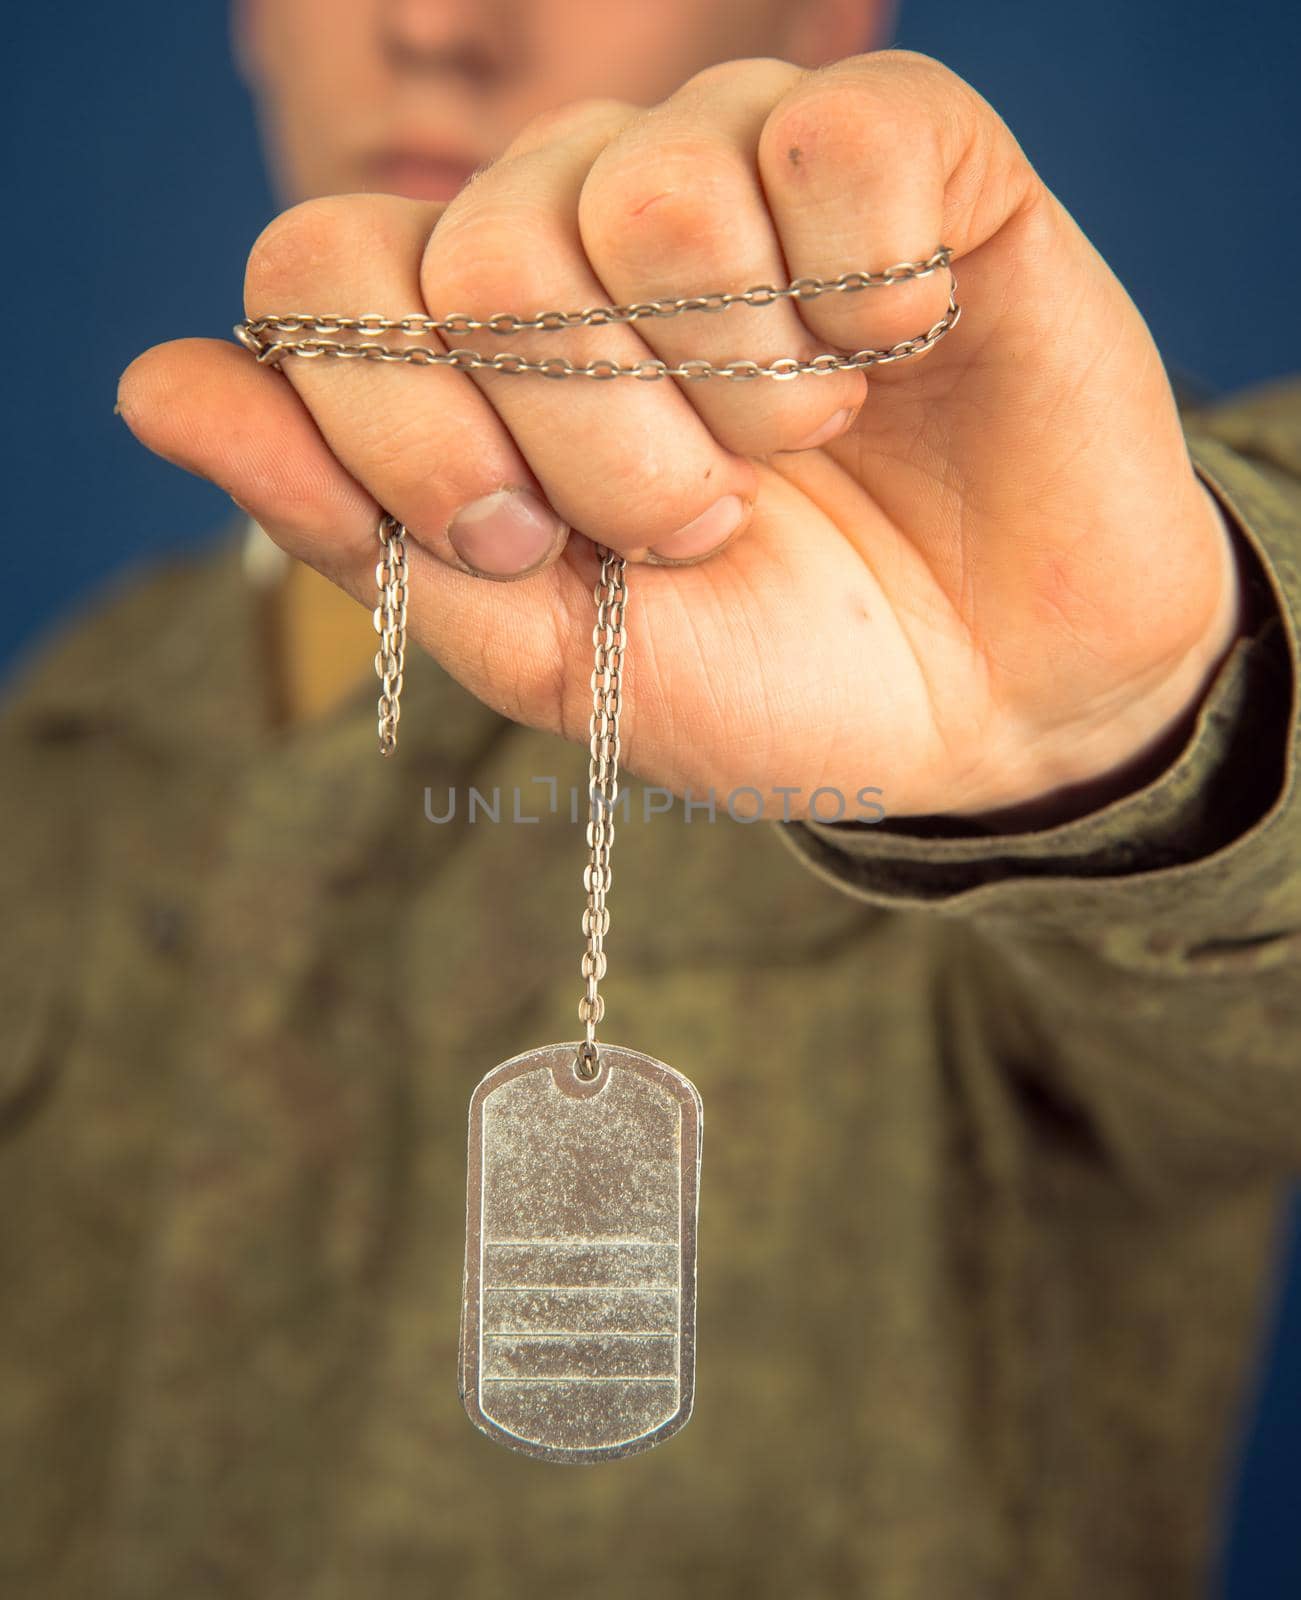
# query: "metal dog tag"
578,1333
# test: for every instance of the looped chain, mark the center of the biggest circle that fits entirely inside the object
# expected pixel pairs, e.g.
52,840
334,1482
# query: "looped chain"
264,336
390,617
609,637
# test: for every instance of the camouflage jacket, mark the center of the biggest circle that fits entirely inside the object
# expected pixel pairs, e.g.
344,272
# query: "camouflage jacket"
998,1130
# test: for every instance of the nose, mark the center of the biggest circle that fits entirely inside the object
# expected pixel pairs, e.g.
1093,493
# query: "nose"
465,38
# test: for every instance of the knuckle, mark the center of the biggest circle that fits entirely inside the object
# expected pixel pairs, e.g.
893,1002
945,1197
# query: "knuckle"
748,73
578,114
833,122
278,254
559,121
322,241
883,103
474,262
906,73
638,202
915,62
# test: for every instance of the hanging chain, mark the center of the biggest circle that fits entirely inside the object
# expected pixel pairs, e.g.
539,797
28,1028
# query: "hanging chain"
258,334
391,575
609,638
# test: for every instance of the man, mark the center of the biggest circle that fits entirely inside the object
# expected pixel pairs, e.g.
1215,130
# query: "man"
1002,1090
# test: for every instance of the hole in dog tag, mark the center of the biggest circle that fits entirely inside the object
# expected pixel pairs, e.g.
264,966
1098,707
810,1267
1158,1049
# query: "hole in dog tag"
578,1333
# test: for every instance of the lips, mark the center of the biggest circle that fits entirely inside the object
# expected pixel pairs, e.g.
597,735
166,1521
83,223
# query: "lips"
419,175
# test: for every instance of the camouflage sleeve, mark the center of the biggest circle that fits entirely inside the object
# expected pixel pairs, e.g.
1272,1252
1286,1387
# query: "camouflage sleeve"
1143,963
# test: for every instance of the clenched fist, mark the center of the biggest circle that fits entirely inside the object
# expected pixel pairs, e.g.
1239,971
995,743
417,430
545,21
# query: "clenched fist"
977,578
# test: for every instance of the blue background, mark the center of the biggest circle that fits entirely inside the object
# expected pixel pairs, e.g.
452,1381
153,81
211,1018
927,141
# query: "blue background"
1169,128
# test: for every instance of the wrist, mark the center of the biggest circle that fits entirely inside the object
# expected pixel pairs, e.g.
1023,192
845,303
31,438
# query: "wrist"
1148,736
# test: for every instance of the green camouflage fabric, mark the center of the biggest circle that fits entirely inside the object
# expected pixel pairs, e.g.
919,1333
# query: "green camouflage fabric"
999,1130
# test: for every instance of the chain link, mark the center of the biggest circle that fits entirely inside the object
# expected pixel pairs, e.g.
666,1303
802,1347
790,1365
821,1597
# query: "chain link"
391,577
258,334
609,636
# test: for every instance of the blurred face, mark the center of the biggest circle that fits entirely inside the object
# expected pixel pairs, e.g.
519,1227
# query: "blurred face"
410,96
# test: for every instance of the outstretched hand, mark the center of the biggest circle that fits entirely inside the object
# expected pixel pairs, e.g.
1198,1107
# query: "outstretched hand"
984,574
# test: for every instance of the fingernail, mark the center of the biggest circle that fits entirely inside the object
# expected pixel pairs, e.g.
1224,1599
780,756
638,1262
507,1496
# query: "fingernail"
830,429
709,530
506,534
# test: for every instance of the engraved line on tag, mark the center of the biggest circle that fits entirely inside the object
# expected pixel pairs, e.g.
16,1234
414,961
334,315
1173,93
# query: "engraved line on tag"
579,1327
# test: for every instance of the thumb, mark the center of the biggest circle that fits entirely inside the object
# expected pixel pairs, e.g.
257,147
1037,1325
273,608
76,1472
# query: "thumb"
520,647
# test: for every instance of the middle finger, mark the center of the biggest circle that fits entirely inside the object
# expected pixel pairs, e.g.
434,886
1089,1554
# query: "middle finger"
631,464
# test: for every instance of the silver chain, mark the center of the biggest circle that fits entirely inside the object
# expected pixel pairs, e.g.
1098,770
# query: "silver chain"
391,577
609,636
258,333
